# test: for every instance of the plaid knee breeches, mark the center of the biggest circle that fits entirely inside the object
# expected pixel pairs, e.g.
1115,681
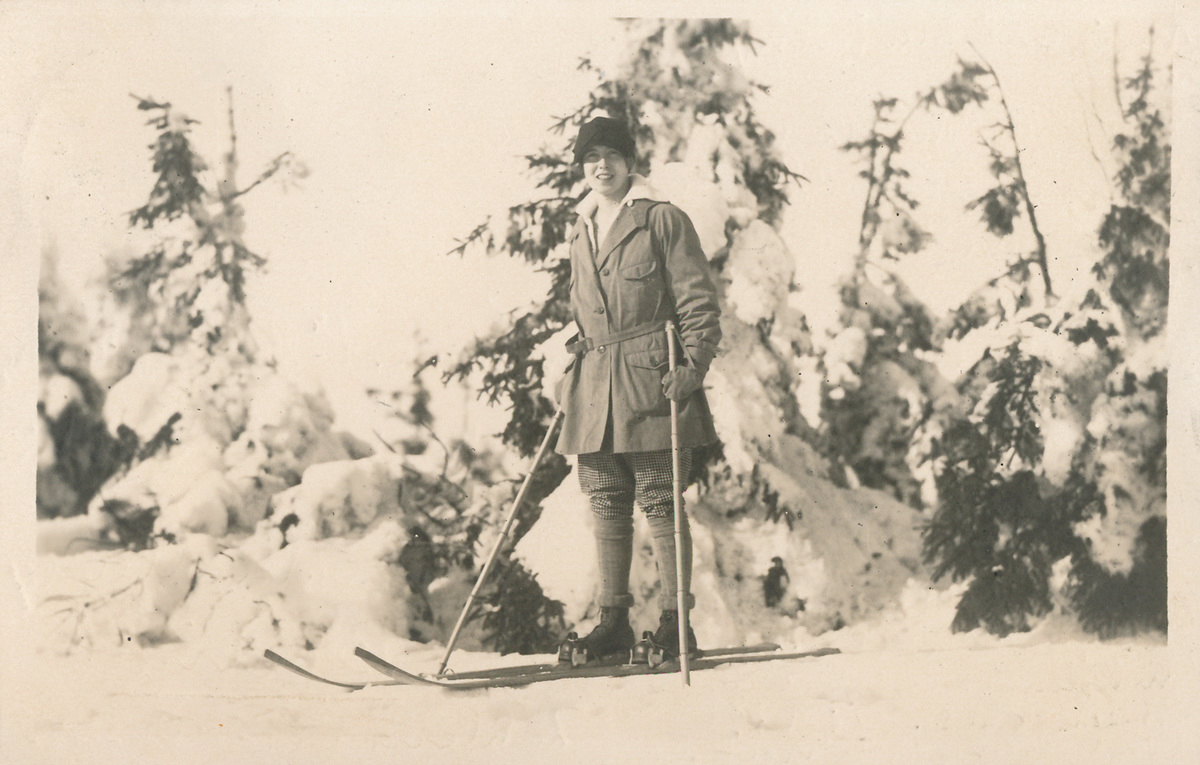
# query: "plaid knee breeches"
613,482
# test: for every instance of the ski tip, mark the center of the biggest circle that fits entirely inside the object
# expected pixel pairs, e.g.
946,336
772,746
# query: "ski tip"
363,653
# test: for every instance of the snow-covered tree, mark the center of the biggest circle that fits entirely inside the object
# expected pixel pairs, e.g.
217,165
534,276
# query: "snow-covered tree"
682,92
215,430
1121,578
1049,457
876,388
685,104
880,381
246,519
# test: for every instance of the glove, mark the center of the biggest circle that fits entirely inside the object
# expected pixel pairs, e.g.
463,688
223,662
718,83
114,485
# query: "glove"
681,382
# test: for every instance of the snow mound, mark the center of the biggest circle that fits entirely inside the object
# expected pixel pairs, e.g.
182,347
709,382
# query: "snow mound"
219,436
760,270
337,498
327,566
232,600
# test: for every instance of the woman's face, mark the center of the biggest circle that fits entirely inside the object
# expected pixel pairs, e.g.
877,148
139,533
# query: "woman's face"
606,170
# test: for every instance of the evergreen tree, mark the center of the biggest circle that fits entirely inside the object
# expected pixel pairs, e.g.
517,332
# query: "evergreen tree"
195,272
875,387
879,385
1050,458
1118,579
692,115
188,331
675,83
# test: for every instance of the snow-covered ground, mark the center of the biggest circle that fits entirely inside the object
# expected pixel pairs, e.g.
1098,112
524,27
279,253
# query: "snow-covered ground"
972,699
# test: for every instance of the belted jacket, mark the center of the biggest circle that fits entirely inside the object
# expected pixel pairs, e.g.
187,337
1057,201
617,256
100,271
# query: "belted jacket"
648,270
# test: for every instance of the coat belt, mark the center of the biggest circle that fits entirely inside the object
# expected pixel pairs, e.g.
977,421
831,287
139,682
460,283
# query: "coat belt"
583,345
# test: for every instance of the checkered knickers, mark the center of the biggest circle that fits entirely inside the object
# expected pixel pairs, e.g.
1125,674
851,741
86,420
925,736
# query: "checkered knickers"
613,482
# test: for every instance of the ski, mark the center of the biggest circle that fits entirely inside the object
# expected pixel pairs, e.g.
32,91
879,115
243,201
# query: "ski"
701,661
527,669
402,679
352,686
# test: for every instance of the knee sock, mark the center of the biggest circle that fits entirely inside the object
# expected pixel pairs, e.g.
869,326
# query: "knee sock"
662,535
614,556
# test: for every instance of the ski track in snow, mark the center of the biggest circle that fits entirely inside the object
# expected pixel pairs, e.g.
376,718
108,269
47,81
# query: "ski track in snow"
1060,703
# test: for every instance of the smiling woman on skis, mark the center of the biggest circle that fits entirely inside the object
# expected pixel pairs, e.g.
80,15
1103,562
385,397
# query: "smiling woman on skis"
636,263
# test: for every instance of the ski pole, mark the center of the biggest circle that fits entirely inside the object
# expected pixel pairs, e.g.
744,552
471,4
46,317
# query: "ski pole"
677,486
508,524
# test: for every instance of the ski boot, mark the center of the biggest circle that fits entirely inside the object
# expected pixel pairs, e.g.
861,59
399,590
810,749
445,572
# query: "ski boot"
612,637
662,645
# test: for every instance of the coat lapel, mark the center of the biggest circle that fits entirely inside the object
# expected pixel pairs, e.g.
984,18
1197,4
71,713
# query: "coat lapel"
581,232
622,226
588,275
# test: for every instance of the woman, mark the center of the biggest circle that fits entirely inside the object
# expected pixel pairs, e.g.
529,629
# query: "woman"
636,263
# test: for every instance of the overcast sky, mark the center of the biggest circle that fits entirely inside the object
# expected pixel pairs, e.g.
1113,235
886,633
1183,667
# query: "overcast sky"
413,126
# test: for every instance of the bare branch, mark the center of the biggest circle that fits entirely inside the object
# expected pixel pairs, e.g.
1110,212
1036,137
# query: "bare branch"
383,441
1092,146
1030,208
273,167
1117,71
445,449
232,159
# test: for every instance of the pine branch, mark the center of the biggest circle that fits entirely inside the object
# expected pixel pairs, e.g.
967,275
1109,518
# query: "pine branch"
476,235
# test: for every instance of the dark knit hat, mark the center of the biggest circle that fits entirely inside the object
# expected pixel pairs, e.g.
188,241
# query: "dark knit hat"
604,131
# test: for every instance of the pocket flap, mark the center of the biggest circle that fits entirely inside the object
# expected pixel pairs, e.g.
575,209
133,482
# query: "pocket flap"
651,359
639,270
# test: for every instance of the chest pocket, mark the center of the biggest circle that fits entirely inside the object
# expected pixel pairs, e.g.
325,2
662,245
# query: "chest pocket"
640,271
642,283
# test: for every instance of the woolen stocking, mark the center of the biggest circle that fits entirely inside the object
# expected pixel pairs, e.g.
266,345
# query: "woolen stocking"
614,556
662,536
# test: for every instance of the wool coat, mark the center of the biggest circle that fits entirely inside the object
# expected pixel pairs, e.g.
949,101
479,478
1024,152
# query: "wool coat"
648,270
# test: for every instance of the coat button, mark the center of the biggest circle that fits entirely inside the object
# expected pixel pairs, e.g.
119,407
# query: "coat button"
606,272
600,309
600,349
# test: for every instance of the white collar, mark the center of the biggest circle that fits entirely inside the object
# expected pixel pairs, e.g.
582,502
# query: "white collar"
640,188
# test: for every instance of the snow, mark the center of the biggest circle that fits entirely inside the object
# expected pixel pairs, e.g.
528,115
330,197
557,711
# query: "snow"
843,357
760,271
897,693
59,391
129,404
566,572
690,189
335,498
205,508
